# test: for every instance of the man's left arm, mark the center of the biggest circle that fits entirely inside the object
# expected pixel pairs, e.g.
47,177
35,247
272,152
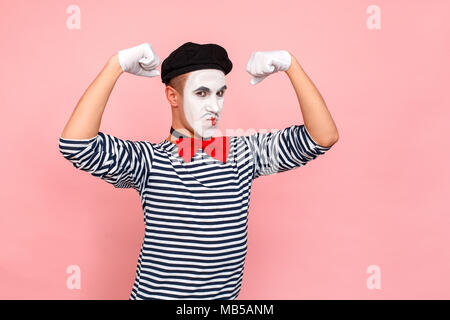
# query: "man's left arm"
316,116
295,145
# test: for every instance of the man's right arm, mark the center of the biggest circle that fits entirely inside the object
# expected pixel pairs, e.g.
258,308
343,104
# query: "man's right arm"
85,120
120,162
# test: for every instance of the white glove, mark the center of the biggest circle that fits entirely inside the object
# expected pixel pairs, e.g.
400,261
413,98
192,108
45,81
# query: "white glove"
263,63
140,60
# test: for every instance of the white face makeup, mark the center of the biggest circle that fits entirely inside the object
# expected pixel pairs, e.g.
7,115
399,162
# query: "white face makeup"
203,96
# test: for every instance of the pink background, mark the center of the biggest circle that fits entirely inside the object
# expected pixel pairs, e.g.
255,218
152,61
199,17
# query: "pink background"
380,196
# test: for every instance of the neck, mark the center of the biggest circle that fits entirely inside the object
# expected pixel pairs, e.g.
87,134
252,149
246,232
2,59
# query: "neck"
176,132
182,132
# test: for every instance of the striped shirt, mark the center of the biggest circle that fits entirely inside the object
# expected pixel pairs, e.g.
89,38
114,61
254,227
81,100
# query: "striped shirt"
196,212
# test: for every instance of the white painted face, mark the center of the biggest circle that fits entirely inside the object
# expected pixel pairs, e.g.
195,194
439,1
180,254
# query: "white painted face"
203,96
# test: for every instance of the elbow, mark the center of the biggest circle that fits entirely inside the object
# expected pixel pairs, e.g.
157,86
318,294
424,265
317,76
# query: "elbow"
335,138
331,140
326,139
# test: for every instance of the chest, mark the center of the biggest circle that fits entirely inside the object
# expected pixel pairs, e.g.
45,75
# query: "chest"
204,173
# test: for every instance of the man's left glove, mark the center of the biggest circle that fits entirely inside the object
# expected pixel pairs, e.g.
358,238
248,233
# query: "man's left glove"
263,63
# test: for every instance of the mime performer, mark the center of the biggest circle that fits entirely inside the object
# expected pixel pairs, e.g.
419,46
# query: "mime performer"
194,185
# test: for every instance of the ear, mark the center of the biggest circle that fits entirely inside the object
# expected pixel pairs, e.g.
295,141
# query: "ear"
173,96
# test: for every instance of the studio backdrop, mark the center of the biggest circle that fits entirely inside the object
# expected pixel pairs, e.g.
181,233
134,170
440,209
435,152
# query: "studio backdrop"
368,219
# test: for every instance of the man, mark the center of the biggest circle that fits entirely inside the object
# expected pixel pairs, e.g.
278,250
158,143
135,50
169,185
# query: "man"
195,202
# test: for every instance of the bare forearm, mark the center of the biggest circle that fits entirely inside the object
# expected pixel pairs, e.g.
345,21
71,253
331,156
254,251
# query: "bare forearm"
316,116
85,120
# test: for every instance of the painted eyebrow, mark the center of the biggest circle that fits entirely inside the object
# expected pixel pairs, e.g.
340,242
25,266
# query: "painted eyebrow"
209,90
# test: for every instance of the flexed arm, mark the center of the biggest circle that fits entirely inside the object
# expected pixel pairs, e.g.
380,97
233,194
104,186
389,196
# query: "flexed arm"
85,120
296,145
317,118
316,115
123,163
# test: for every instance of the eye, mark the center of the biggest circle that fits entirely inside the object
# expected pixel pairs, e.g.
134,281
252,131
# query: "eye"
222,93
200,92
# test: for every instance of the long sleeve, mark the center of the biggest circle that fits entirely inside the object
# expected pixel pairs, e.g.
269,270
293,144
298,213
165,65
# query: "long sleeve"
122,163
282,150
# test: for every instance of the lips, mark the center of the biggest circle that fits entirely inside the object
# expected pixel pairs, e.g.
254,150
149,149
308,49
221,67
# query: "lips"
212,118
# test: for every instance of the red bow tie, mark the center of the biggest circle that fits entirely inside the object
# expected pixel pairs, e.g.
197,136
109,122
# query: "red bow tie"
216,147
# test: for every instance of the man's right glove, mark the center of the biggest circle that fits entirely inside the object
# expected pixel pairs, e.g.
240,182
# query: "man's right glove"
140,60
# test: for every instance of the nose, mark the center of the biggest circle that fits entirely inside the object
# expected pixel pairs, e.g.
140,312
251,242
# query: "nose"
214,105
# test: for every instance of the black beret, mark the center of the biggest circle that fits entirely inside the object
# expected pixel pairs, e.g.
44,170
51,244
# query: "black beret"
193,56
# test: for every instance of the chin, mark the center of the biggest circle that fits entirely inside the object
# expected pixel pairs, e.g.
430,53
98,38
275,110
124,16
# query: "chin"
208,132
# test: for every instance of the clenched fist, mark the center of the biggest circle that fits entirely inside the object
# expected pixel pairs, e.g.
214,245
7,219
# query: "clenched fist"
263,63
140,60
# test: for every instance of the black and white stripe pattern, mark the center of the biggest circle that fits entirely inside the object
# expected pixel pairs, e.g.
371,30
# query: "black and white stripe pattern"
195,213
283,150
